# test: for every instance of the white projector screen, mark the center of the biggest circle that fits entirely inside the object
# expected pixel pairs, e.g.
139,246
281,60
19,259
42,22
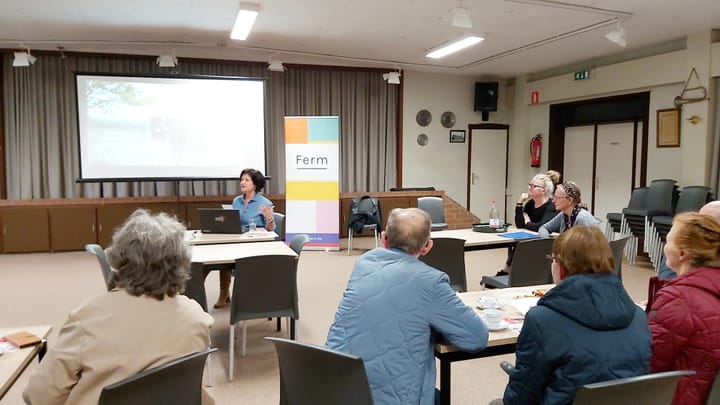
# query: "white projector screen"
169,127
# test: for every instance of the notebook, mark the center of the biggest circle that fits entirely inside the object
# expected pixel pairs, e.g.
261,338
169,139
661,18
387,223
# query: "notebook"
217,220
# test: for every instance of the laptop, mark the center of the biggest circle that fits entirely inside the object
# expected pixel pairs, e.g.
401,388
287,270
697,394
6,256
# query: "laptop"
218,220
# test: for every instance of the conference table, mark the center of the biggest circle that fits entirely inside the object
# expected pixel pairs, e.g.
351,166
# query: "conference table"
481,240
12,364
514,303
200,238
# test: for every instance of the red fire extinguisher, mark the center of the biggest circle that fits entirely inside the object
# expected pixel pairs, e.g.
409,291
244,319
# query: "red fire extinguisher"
535,150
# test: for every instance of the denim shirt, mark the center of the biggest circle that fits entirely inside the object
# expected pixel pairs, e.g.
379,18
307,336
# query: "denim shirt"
251,211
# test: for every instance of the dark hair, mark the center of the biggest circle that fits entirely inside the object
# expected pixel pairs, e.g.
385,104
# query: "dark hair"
257,178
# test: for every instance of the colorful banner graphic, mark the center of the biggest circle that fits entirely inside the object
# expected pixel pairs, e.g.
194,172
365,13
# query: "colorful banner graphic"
312,188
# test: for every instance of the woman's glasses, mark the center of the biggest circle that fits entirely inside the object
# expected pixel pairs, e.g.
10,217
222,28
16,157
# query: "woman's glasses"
551,259
531,186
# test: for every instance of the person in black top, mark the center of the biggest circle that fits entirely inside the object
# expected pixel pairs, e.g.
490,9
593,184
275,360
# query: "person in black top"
533,209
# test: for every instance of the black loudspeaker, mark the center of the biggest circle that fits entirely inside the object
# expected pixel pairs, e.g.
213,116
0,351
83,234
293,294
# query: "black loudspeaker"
486,96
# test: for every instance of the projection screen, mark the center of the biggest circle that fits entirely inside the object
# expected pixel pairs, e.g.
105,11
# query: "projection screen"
169,127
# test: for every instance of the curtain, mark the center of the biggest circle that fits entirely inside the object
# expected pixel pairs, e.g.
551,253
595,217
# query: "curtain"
41,140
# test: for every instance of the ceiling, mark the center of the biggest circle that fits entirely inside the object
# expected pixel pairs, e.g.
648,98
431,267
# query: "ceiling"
521,36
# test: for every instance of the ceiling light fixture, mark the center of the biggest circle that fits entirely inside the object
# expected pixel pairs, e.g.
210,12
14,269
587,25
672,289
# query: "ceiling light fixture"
275,64
447,49
244,21
460,17
392,77
618,36
23,59
167,61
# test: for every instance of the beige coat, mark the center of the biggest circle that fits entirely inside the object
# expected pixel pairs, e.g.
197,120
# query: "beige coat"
112,337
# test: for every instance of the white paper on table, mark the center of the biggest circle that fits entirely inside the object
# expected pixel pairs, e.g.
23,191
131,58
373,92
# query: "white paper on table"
523,305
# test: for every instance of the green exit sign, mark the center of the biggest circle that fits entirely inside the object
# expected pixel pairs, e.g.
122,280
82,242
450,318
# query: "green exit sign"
582,75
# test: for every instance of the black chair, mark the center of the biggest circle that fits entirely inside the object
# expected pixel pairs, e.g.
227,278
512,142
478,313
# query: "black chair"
99,253
195,287
264,287
434,207
714,395
529,266
615,219
617,247
279,219
178,381
298,242
649,389
448,255
317,375
367,209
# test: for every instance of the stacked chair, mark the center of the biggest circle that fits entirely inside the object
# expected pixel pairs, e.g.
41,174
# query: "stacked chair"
692,198
659,200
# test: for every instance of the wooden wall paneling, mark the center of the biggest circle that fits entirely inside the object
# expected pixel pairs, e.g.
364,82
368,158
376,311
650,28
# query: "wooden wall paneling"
25,229
71,228
110,217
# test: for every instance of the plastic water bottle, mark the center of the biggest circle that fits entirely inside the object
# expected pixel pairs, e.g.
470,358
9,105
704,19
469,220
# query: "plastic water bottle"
494,216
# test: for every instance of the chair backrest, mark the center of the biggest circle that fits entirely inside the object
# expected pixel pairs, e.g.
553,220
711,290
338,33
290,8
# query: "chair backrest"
692,199
298,242
661,197
618,246
434,207
279,225
368,205
650,389
178,381
265,286
99,253
195,286
317,375
529,265
448,255
714,396
637,198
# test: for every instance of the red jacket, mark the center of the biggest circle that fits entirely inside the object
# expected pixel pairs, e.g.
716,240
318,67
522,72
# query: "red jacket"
685,326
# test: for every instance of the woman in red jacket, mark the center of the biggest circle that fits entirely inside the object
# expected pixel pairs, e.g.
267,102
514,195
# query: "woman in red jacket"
685,317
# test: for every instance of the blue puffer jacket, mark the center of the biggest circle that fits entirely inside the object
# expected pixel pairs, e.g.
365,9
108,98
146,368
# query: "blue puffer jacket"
586,329
392,305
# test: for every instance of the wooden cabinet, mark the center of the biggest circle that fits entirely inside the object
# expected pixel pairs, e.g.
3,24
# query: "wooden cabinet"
71,228
110,217
25,229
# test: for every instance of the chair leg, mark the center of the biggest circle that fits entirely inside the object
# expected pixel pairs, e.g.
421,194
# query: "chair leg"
278,324
231,362
376,236
208,370
350,237
292,328
244,344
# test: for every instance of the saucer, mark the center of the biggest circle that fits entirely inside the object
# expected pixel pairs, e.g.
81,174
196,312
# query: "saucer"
503,325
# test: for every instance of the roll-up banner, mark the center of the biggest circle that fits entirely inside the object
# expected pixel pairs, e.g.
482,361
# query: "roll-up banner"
312,188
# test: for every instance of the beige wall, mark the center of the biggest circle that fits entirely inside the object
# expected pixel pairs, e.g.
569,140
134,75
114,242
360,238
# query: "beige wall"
444,165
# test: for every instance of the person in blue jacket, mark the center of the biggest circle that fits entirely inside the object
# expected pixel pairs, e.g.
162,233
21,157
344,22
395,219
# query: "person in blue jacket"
392,309
586,329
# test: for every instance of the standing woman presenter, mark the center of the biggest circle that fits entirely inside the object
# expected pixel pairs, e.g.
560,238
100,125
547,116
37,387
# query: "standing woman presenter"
254,208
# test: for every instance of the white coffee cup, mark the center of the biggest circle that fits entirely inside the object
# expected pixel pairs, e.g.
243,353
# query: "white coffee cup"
492,317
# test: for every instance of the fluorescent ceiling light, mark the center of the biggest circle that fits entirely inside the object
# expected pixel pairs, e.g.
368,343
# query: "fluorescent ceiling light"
23,59
244,21
619,36
447,49
392,77
166,61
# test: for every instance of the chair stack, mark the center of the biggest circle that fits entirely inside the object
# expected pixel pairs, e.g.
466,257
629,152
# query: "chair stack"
691,199
659,200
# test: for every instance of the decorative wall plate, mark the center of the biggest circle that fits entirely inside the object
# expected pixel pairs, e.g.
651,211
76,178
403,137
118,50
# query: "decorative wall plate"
422,139
423,118
447,119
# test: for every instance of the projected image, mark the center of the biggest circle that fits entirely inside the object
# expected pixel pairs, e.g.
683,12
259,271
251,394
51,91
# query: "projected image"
150,127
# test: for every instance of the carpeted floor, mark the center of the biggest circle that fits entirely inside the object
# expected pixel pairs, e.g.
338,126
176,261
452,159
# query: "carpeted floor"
42,288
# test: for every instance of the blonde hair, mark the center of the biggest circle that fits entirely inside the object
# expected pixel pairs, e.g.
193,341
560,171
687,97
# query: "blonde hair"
408,229
547,183
150,255
699,235
554,176
583,250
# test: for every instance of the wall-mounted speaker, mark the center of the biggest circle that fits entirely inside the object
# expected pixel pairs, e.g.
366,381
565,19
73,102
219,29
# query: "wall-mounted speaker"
486,96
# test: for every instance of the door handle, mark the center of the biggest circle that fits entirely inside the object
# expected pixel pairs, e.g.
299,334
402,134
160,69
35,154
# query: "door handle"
473,177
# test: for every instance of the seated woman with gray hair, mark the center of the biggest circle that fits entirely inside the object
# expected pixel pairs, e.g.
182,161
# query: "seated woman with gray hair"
141,323
567,201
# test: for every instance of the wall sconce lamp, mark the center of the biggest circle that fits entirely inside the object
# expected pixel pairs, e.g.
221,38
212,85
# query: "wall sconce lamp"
694,119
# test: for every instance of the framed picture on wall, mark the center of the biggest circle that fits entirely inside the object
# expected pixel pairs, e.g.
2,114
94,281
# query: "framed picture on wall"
457,136
668,128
